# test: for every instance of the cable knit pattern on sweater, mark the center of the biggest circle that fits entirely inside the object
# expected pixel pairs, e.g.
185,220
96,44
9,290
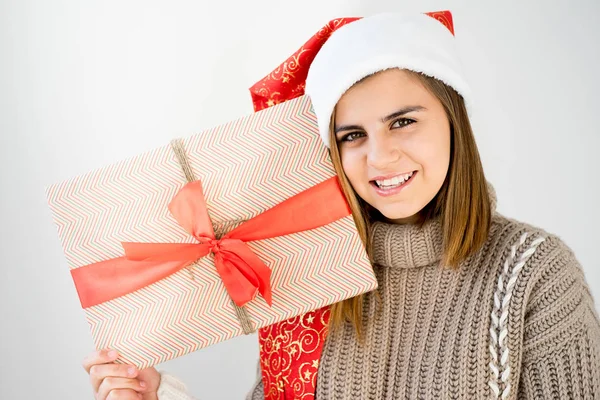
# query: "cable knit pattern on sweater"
515,321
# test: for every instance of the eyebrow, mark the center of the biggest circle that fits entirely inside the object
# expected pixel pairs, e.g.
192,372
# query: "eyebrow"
393,115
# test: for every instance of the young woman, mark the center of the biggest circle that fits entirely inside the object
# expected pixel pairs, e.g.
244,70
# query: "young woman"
470,304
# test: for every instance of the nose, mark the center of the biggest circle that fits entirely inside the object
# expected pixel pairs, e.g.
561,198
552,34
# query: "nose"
382,151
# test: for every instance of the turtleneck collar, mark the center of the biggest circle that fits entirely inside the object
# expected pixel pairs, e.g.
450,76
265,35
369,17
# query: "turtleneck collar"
412,246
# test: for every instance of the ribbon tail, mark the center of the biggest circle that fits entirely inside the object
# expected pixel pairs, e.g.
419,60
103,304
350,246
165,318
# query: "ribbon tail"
106,280
249,265
241,288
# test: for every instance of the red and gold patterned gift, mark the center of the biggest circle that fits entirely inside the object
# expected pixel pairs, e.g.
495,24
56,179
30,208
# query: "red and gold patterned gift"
213,236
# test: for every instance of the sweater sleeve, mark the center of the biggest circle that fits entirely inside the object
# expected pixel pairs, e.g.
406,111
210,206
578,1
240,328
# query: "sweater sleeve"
172,388
561,343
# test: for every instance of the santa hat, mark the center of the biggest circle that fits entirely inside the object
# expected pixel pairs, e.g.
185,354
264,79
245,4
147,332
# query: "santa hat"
348,49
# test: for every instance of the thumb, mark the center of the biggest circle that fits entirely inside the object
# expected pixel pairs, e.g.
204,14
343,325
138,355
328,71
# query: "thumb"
151,377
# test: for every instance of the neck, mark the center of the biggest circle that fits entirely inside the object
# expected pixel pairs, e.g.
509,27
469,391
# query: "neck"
406,245
413,219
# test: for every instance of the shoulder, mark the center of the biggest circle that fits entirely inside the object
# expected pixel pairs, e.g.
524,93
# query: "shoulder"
511,239
527,253
540,252
546,284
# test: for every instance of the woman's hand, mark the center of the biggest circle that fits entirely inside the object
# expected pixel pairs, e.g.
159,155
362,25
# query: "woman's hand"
112,381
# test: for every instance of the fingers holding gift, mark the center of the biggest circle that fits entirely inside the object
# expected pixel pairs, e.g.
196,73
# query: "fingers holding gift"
99,357
113,388
110,380
102,372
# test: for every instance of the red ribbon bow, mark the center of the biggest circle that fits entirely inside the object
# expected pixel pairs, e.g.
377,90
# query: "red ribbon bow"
242,272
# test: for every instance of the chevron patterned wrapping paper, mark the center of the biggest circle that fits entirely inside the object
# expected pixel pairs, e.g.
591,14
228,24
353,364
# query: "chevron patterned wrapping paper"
246,166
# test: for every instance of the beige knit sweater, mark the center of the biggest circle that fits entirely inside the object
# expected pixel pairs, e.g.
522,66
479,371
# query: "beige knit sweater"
515,321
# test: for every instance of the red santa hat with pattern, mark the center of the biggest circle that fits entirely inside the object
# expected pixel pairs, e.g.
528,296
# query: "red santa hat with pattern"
348,49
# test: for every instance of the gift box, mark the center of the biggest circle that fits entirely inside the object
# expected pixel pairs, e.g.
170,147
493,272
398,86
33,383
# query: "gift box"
210,236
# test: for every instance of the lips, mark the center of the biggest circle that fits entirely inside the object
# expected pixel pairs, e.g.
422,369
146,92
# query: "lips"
391,185
393,181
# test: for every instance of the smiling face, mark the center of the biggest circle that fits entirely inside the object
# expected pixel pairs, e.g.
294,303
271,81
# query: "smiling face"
393,137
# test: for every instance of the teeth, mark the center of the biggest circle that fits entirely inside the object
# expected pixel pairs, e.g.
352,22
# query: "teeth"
395,181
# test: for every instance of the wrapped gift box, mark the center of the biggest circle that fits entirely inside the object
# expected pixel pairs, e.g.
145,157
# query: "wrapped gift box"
210,237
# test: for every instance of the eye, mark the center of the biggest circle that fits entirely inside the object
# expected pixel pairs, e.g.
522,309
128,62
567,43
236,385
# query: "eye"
402,122
352,136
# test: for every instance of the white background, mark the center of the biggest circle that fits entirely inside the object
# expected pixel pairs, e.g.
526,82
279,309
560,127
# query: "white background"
87,83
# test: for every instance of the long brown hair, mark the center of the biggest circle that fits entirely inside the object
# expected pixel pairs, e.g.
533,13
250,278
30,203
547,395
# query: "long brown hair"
462,203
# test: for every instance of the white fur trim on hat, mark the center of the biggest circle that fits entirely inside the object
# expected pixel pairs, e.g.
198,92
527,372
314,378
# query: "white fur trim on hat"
416,42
